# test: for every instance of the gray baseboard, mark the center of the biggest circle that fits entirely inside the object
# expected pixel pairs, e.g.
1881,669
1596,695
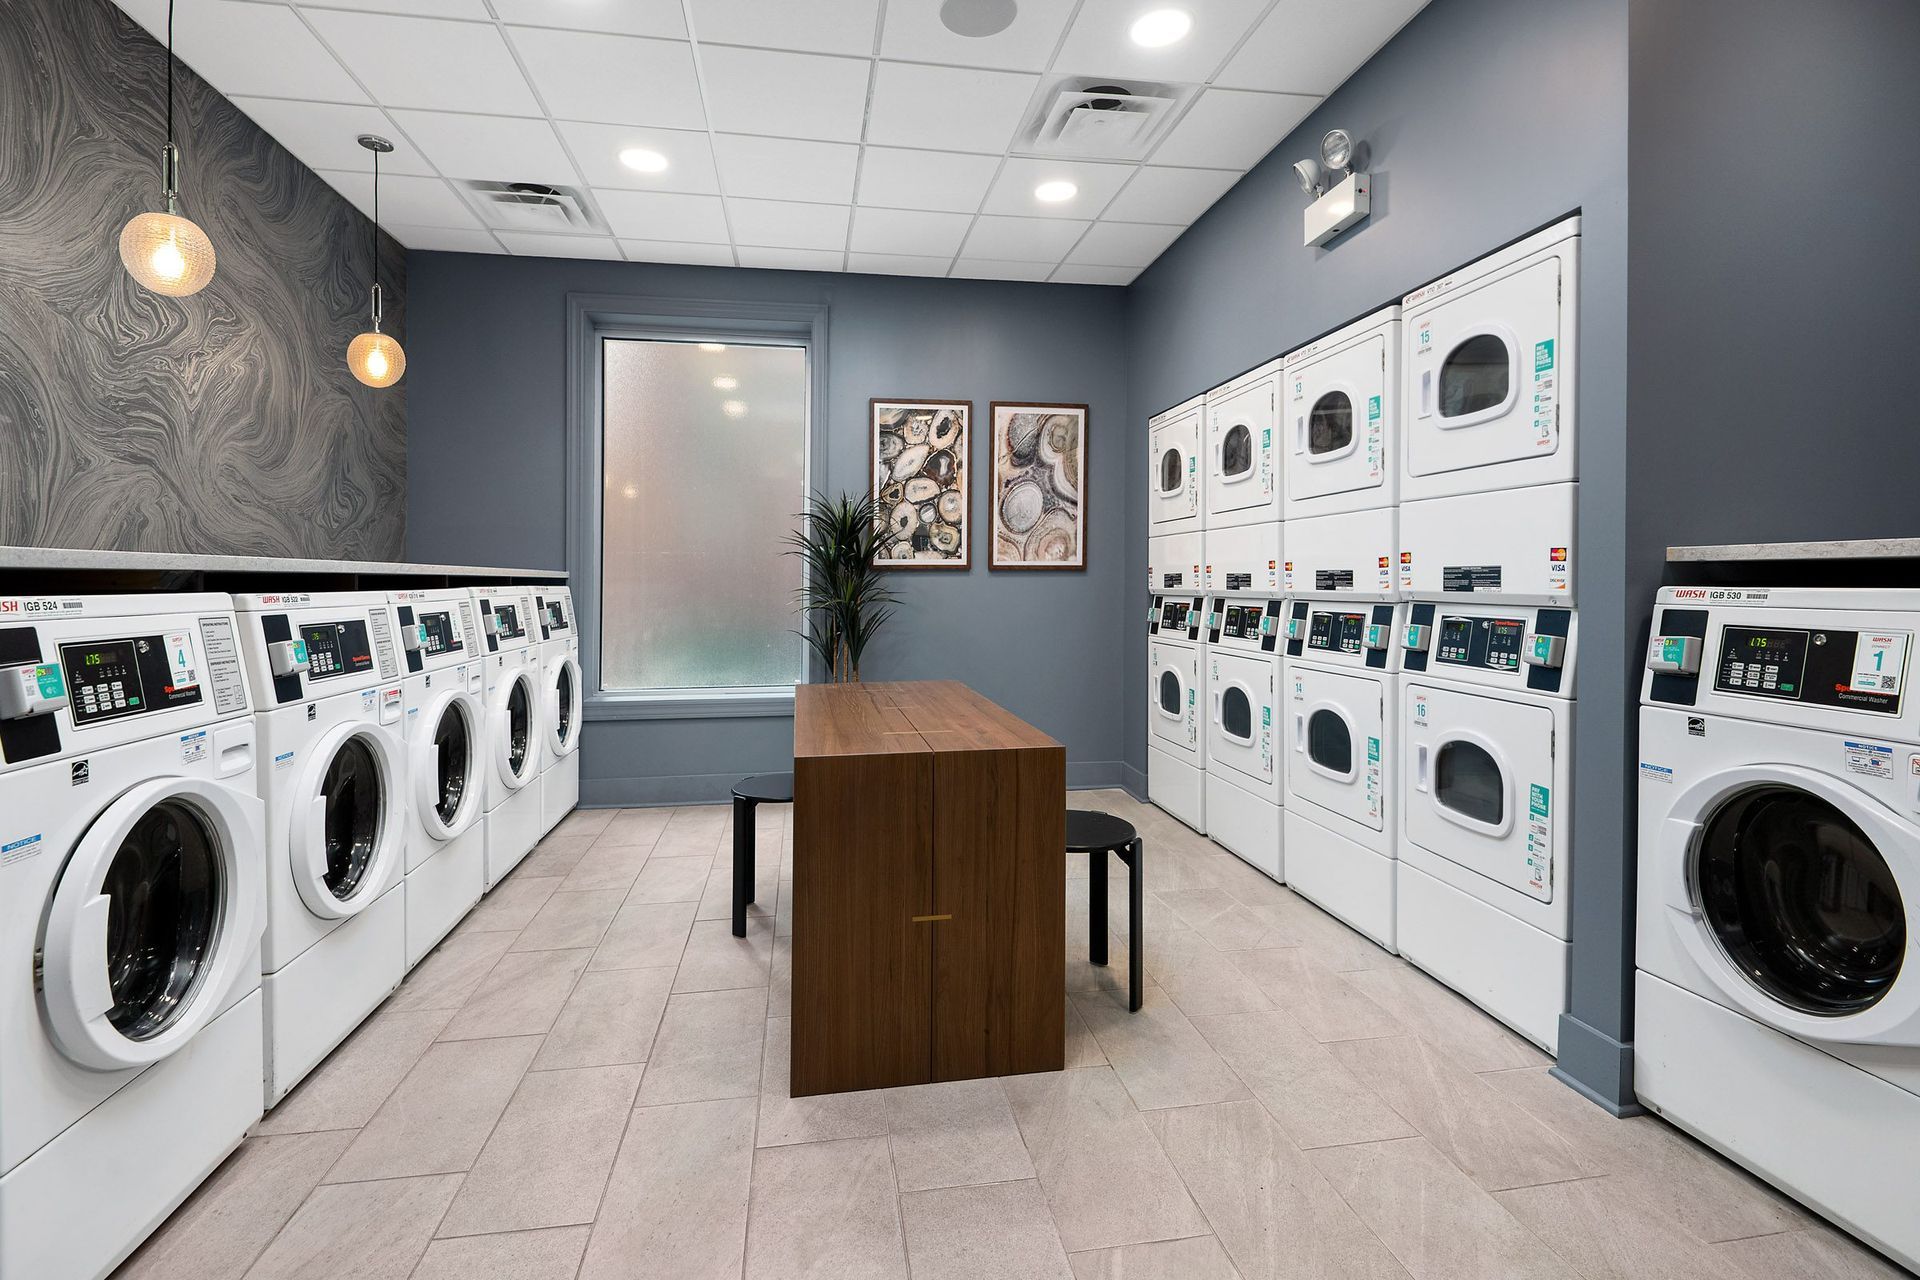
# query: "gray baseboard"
1597,1066
717,788
1135,781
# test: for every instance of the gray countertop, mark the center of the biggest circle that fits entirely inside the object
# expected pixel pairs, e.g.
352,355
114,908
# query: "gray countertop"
1856,549
42,558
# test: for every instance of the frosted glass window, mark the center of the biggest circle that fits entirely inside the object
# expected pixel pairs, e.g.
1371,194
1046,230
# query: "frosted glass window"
704,468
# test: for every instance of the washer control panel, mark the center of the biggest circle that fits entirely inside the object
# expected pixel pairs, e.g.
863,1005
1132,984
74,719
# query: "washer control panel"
1336,631
1856,670
1494,643
131,675
438,632
336,648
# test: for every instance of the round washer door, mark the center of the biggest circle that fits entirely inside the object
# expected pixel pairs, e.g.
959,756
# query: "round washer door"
1795,893
155,917
562,721
346,840
445,764
512,718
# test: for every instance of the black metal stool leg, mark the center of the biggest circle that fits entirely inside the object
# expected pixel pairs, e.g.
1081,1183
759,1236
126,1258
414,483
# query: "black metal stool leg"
1136,913
1097,906
742,863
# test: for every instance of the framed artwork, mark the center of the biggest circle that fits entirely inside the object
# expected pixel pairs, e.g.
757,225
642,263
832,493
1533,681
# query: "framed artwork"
921,465
1039,486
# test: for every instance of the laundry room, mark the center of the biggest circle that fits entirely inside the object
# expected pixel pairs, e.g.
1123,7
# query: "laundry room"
958,638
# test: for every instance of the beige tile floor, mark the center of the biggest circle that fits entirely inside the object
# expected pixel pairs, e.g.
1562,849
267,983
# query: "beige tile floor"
589,1079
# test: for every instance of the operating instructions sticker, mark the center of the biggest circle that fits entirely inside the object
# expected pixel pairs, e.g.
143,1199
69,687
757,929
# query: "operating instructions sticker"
1374,799
1539,841
1545,413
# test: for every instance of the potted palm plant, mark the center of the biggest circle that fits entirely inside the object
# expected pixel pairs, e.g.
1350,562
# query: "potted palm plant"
845,599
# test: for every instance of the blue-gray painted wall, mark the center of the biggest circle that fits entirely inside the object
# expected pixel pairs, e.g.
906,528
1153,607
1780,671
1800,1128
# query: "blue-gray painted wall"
1483,119
487,444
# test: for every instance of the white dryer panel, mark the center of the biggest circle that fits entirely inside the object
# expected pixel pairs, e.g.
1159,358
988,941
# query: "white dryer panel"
1515,545
1173,468
1243,450
1490,370
1337,743
1353,553
1244,560
1341,419
1175,563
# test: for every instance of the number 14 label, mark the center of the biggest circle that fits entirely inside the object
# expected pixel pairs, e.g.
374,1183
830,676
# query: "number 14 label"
1879,662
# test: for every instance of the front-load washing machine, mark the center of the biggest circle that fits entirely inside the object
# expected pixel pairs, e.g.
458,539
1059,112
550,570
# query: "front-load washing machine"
1341,735
1173,468
1174,564
1243,723
326,671
1242,450
1777,1003
1176,692
445,737
511,666
1486,715
1341,422
1488,486
560,705
130,917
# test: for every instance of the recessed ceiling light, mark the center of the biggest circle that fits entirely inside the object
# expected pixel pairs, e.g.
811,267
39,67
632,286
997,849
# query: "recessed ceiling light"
977,19
713,346
1055,192
1161,27
643,160
725,383
734,408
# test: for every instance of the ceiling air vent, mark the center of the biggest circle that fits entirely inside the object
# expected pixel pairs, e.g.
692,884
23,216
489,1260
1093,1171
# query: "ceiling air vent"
533,206
1091,118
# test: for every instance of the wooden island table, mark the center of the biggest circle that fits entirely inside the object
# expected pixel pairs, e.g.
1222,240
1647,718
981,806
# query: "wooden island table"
929,888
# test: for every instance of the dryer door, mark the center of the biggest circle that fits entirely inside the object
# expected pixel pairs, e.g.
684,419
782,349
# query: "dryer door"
1241,697
1336,421
512,718
1795,893
1174,497
562,718
154,918
1335,733
1241,475
1173,695
1481,373
1479,784
347,840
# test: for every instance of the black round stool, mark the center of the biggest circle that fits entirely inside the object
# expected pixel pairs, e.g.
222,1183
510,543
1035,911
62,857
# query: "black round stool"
1096,835
748,795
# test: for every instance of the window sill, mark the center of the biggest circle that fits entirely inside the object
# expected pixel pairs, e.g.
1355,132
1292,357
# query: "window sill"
711,704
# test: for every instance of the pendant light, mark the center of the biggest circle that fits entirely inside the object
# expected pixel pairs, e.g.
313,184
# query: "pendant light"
375,358
164,251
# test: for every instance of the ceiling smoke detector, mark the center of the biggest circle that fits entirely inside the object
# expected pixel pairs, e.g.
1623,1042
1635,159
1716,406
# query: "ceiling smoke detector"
977,19
533,206
1090,118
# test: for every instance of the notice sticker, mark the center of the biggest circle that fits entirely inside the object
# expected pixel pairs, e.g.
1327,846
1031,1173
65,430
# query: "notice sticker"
19,850
1656,773
1869,759
193,747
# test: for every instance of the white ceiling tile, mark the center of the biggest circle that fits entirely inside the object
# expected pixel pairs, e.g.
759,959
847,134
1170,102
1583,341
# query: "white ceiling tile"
813,26
997,269
908,231
472,9
1123,244
1023,239
784,224
794,95
422,202
249,49
1013,190
321,135
597,148
427,62
612,79
1312,46
942,180
628,17
786,168
1073,273
1170,195
947,108
897,264
445,239
914,32
663,215
531,244
1100,41
705,255
791,259
499,149
1232,129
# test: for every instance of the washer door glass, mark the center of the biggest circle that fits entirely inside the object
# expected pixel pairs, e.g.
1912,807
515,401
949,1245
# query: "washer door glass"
1474,375
1236,713
563,686
1330,425
352,792
1800,900
164,887
452,750
1236,451
1170,471
1467,780
519,726
1169,693
1330,742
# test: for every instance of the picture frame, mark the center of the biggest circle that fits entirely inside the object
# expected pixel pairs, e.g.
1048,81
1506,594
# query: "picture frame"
920,472
1038,497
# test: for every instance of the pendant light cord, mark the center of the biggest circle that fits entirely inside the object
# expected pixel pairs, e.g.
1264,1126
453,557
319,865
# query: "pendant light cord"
375,239
169,72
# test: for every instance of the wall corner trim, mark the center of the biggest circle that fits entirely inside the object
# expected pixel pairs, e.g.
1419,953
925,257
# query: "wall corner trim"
1597,1066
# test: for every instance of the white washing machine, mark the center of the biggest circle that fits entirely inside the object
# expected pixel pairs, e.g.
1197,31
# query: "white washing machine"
1342,427
326,674
1485,798
1242,450
1488,484
1176,692
1342,745
561,705
511,666
445,735
1174,564
1243,729
1243,560
1173,468
1777,1003
130,918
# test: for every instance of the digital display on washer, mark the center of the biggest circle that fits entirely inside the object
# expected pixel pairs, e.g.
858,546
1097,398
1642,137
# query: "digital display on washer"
1337,632
1242,622
1494,643
556,616
1852,670
442,634
512,627
336,648
111,679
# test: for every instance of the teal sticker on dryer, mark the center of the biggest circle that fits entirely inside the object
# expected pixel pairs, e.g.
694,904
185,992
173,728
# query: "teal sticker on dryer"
1537,803
1543,355
1373,408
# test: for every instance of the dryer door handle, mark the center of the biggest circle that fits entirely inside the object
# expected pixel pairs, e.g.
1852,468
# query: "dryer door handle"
1422,757
1300,434
1216,708
1426,392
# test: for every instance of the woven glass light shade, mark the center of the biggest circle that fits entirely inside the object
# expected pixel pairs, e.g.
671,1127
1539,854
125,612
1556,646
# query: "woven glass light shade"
376,359
167,253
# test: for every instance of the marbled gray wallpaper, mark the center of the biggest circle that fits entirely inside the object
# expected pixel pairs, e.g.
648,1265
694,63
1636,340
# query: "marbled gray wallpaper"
223,423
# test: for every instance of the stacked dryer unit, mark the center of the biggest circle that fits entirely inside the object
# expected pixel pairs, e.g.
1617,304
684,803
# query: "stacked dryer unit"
1487,492
561,704
510,663
1176,667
